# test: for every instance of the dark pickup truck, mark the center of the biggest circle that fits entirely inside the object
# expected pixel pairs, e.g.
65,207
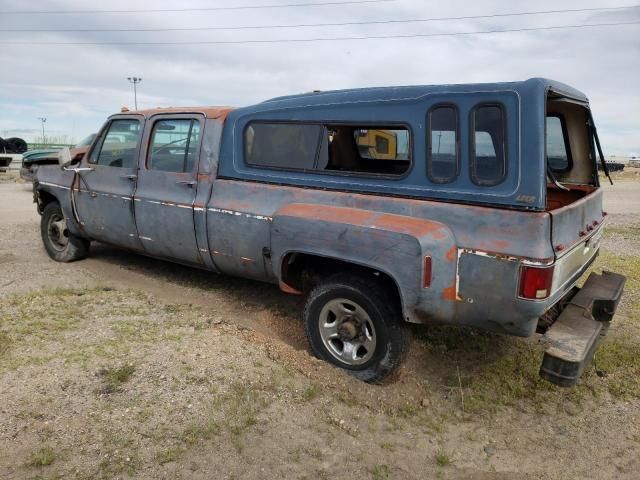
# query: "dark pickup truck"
474,205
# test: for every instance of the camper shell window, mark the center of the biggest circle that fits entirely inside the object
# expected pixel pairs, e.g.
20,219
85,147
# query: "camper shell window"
443,158
488,148
357,149
557,144
282,145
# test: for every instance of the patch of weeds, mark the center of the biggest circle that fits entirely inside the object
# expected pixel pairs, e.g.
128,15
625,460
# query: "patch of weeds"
46,314
443,459
169,455
241,406
628,232
310,393
115,464
140,330
347,398
379,472
114,378
173,308
42,457
198,432
513,377
619,361
5,343
407,410
387,446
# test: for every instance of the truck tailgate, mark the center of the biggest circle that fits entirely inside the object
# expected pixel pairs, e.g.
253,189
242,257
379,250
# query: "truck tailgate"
574,222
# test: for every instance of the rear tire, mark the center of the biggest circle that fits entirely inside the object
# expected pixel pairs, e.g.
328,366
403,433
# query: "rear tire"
354,323
59,242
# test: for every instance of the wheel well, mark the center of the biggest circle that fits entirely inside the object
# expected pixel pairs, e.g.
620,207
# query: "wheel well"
301,271
44,198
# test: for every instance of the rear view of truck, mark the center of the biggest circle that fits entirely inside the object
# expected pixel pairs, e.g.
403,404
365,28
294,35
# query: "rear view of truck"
575,324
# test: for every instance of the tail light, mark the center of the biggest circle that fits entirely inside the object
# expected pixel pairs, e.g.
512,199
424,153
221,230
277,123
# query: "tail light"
535,282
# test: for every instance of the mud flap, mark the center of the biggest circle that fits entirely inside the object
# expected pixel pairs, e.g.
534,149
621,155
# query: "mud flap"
576,334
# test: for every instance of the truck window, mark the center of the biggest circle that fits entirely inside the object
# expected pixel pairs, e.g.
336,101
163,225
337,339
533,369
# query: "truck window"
442,138
283,145
173,145
371,149
558,151
118,148
488,158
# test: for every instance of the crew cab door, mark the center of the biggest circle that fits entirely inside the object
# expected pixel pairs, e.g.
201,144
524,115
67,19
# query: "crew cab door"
104,192
167,187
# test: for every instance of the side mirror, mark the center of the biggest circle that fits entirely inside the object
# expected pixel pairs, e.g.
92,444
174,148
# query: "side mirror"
69,158
77,158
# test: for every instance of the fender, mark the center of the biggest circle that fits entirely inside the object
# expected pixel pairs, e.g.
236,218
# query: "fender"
58,184
393,244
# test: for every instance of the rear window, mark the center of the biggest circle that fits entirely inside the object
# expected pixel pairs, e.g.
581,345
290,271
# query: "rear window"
283,145
442,137
488,152
558,151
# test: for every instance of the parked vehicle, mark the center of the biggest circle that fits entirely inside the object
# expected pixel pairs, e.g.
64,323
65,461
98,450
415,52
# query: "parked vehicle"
612,166
11,149
53,156
488,218
33,159
12,145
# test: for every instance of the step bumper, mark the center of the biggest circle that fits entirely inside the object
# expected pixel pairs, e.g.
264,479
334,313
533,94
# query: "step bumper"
576,334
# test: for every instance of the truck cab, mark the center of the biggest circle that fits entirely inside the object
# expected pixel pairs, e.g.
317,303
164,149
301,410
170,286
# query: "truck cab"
475,205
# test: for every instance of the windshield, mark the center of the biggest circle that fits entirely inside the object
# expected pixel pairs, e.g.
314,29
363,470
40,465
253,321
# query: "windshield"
86,141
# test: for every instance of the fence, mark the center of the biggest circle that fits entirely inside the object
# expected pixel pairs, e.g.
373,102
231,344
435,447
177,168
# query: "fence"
47,146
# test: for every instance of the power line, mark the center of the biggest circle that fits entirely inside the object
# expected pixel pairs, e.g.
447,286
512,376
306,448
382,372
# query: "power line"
340,24
326,39
195,9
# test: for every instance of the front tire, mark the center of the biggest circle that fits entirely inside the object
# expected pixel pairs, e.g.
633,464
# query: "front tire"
354,323
59,242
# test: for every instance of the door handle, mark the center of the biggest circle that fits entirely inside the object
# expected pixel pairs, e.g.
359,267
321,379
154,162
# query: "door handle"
130,177
78,169
189,183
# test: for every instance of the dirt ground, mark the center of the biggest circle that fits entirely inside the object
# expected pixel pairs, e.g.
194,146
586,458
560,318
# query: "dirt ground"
120,366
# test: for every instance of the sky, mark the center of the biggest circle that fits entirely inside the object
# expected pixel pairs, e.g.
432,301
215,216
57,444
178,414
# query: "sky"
75,87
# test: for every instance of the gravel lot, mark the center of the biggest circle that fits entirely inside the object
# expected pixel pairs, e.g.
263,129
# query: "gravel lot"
121,366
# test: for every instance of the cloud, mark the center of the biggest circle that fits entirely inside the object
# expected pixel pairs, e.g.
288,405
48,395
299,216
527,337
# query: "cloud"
76,87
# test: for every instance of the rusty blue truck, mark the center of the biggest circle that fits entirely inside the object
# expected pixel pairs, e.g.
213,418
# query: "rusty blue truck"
475,205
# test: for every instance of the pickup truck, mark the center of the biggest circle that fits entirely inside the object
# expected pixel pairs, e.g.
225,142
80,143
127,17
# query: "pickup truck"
475,205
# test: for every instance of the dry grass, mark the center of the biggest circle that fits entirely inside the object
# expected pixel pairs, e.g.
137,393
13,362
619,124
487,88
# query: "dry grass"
42,457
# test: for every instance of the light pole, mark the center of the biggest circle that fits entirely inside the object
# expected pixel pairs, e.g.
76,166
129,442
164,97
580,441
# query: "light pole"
135,81
43,120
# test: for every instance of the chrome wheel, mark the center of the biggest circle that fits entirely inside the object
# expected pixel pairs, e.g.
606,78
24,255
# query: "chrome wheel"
57,232
347,331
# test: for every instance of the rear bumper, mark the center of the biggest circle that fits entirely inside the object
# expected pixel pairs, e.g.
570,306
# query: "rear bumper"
576,334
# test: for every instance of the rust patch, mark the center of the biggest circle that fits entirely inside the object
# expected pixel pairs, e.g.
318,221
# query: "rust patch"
209,112
286,288
375,220
451,254
411,225
449,293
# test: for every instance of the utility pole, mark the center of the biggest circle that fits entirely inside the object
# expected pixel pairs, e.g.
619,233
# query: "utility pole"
43,120
135,81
